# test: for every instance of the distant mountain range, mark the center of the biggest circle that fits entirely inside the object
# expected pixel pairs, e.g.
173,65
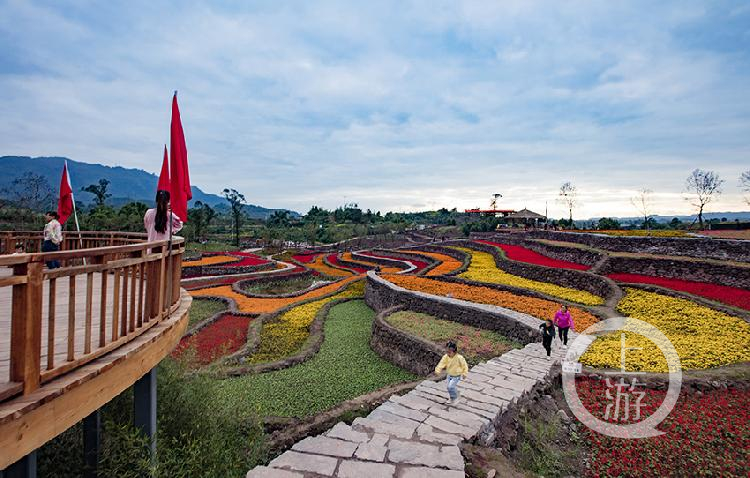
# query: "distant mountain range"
126,184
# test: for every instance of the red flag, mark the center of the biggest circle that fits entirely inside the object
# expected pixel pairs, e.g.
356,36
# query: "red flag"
65,203
179,177
164,176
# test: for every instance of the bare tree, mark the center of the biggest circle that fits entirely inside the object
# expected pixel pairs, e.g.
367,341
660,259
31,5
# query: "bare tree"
704,185
745,183
30,191
568,196
236,201
643,202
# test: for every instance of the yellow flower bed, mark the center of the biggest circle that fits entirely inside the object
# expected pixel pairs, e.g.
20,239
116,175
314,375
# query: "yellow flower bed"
323,268
702,337
289,331
257,305
484,269
446,264
210,261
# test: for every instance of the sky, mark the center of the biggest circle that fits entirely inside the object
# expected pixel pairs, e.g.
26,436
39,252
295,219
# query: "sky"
399,105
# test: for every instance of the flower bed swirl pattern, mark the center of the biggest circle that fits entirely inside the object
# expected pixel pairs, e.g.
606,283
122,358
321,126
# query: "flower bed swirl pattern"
249,305
483,268
287,332
316,262
446,263
539,308
523,254
702,337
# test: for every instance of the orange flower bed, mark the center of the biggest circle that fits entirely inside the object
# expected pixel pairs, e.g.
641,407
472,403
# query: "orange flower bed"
256,305
347,256
539,308
210,261
317,264
447,263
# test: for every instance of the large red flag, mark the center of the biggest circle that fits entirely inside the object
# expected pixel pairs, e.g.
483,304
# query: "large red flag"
65,203
164,176
179,177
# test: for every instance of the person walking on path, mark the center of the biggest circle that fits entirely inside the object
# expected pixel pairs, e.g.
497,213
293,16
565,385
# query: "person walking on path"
564,322
548,334
52,237
456,369
155,219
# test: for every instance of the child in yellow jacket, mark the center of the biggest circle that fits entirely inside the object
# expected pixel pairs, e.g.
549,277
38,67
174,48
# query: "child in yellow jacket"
456,369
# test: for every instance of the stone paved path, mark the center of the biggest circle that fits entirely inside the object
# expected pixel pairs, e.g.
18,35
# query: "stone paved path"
416,435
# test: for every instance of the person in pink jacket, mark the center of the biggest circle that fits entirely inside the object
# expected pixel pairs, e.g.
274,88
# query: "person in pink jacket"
564,322
155,221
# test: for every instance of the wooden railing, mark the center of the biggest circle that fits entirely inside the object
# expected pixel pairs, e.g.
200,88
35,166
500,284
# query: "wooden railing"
106,294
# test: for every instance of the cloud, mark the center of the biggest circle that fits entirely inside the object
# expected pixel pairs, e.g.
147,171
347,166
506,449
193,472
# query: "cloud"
393,105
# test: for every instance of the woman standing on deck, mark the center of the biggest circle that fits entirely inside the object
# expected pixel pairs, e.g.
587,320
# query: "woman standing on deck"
52,237
155,219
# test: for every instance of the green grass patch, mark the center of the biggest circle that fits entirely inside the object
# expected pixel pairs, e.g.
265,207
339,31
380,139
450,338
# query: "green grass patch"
282,286
474,344
344,368
203,309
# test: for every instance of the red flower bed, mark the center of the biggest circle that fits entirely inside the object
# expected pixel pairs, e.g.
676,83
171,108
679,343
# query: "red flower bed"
222,337
522,254
721,293
706,435
304,258
417,263
334,259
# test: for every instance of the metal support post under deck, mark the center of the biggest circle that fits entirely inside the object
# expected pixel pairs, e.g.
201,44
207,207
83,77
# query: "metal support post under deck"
23,468
144,401
91,444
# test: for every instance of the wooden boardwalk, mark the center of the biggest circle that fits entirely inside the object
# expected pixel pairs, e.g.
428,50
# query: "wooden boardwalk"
61,320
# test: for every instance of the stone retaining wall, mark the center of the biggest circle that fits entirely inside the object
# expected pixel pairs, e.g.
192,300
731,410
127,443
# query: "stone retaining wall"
692,247
407,351
381,294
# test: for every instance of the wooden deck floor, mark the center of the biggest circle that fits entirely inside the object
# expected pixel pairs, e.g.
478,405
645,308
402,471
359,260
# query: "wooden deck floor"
61,320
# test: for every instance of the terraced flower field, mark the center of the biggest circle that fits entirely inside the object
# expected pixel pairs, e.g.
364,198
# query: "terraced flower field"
250,305
484,269
345,367
539,308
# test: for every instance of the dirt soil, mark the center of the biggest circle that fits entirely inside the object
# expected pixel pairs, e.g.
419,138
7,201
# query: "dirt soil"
548,445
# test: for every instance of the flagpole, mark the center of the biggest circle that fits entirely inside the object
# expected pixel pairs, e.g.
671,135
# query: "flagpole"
75,212
170,279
